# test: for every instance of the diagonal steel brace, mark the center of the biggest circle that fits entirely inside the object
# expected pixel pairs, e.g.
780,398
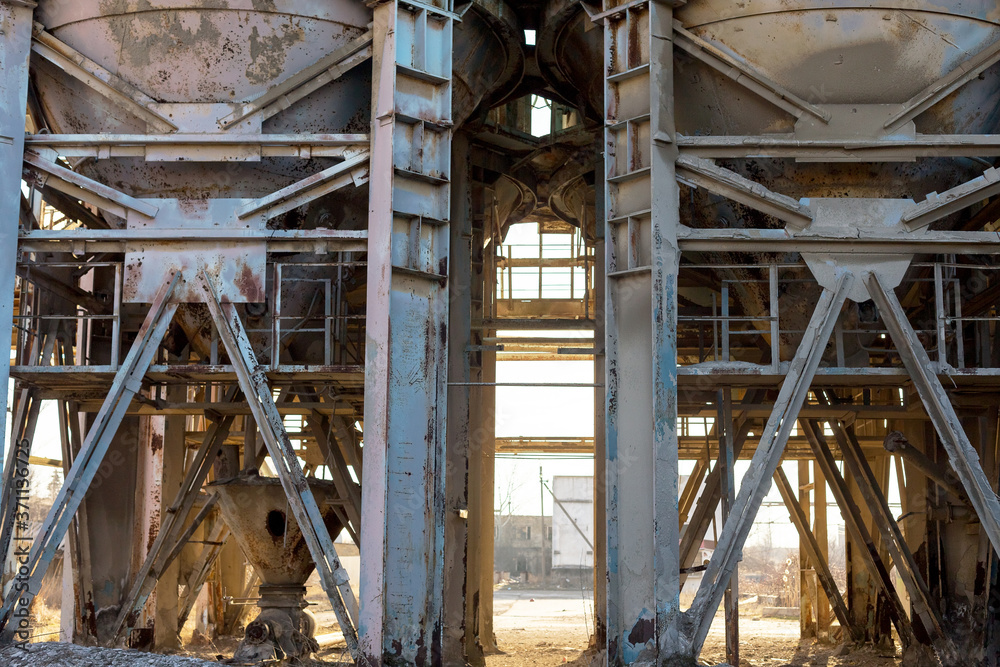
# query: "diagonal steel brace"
127,383
253,381
765,461
812,547
964,458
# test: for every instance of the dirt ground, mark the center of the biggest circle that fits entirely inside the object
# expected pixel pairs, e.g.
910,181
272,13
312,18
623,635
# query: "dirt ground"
549,628
534,628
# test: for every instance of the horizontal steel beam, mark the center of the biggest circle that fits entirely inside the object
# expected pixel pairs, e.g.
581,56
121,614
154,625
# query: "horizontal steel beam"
861,241
199,147
861,150
114,240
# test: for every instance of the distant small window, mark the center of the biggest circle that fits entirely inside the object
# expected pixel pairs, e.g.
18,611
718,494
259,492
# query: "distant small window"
548,532
525,533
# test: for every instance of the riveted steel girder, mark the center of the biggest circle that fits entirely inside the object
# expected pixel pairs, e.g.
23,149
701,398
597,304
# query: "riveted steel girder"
641,257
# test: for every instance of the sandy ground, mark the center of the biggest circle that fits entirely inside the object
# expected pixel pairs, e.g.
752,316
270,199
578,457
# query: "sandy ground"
540,627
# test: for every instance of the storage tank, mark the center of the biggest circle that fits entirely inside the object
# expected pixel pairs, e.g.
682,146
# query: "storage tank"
828,53
227,52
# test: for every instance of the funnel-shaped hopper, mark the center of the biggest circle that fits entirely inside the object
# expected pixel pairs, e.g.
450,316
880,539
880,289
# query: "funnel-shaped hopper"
256,510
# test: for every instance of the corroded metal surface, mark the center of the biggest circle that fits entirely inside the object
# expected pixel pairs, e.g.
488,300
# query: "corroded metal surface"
256,511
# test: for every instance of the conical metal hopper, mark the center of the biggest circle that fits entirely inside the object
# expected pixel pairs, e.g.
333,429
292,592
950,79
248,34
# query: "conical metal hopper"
256,510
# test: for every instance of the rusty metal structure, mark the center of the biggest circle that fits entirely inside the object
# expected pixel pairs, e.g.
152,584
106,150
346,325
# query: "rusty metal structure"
252,243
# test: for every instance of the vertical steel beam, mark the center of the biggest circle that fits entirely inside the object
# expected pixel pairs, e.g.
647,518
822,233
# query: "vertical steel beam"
403,495
462,574
485,434
127,383
964,458
641,261
766,459
600,431
15,47
727,462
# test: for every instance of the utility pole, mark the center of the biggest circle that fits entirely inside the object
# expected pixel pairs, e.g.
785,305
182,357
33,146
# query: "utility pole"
541,513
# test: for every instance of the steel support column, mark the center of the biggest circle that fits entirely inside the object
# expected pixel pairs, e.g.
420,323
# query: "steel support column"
641,260
15,47
964,457
462,574
403,495
766,459
600,430
727,460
